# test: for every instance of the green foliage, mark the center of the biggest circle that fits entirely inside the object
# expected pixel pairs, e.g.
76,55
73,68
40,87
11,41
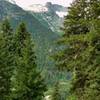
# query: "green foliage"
56,92
43,33
81,52
27,81
72,97
19,77
79,15
6,59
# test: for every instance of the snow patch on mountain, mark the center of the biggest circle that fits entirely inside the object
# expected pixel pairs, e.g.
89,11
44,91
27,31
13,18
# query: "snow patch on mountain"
61,14
37,8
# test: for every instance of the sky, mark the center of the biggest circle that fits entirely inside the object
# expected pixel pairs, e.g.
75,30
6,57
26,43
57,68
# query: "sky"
26,3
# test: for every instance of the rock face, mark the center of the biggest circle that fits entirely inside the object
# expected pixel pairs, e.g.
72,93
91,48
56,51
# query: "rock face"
51,14
37,8
55,7
16,14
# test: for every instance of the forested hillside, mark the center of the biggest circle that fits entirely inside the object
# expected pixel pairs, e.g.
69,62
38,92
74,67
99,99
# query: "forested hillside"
43,36
19,77
81,55
38,62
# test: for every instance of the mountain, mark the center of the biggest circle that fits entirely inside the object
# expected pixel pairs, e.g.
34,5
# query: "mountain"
50,15
47,7
42,32
16,14
55,7
36,8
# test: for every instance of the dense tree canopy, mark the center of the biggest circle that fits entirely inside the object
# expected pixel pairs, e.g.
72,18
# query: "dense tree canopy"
6,59
28,83
19,77
81,53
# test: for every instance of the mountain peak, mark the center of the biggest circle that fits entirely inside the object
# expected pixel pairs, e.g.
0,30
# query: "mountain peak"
37,8
48,7
48,4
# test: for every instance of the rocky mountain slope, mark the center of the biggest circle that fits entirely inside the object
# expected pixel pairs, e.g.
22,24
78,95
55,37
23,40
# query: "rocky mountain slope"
51,15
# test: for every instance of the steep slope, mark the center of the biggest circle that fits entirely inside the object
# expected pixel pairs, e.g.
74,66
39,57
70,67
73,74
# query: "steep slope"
50,15
17,14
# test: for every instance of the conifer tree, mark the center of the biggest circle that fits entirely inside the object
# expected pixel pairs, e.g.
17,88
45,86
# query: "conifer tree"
6,59
82,53
79,15
28,83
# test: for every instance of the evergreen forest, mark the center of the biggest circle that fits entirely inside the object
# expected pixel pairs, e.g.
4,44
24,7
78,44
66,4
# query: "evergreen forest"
56,59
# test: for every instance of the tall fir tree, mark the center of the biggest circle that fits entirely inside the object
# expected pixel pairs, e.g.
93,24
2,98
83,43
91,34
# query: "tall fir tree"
82,53
79,15
28,83
6,59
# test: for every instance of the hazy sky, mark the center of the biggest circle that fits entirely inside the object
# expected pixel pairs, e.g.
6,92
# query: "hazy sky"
25,3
